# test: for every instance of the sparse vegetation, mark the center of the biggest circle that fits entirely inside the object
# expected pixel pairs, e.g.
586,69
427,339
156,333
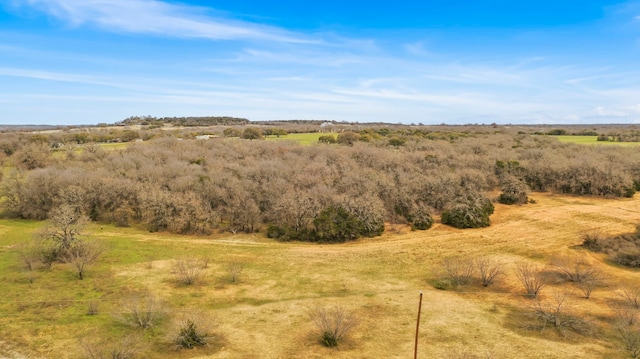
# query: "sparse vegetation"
334,324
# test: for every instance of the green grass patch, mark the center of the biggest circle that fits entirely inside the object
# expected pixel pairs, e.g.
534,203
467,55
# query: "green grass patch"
593,140
301,138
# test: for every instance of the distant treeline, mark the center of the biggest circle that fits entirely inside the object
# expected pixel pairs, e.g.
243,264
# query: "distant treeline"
183,121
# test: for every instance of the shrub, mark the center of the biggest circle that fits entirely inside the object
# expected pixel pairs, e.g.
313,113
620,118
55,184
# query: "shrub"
459,270
335,224
514,191
623,249
348,138
421,219
591,239
252,133
472,212
277,232
189,271
190,336
442,284
143,311
327,139
333,324
126,348
235,270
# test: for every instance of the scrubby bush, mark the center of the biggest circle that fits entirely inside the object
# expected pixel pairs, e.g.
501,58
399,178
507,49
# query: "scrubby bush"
514,191
335,224
531,278
470,212
143,311
189,271
277,232
458,270
327,139
421,219
623,249
333,324
190,336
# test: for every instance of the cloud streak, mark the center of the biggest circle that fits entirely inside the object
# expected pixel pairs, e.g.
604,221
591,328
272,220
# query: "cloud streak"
159,18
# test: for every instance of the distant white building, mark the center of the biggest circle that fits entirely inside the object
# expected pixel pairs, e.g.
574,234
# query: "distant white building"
203,137
326,127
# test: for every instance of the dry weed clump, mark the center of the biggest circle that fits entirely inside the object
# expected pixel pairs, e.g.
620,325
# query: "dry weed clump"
143,311
189,271
333,324
129,347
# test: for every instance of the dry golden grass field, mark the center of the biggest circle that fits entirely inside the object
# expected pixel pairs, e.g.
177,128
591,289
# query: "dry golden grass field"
264,313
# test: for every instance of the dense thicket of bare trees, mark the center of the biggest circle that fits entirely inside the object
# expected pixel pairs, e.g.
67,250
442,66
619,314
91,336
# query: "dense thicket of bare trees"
239,185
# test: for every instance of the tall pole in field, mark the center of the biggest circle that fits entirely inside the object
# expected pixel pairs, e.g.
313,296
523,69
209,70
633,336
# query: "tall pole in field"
415,350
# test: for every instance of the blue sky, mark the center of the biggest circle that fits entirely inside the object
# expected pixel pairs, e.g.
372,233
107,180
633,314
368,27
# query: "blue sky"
456,62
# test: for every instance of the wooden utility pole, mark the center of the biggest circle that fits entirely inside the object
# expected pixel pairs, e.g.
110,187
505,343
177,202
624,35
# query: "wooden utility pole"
415,350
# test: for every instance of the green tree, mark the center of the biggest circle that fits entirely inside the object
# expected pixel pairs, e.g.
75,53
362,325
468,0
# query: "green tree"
252,133
335,225
231,132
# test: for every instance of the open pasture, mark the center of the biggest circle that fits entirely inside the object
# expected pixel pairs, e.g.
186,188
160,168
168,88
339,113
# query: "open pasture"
264,313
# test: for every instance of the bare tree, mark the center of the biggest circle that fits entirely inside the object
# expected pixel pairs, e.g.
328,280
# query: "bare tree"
631,297
625,315
459,270
531,278
587,285
576,269
489,269
66,226
554,313
629,337
82,255
334,324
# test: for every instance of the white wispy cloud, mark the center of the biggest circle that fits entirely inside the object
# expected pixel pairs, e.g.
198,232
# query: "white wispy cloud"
159,18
